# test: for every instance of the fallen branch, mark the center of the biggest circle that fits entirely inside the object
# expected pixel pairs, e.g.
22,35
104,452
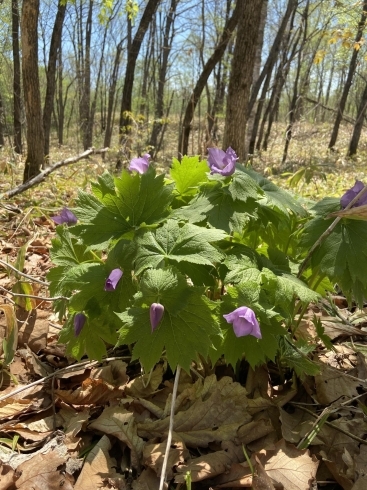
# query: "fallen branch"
44,173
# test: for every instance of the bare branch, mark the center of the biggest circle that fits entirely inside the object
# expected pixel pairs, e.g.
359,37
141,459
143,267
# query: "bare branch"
44,173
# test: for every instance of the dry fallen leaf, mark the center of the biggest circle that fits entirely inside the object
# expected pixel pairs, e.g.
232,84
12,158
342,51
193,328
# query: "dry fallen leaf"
215,415
121,424
41,472
148,480
289,466
98,467
153,455
206,466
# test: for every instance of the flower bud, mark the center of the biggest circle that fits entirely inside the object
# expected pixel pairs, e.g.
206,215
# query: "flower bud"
156,315
79,321
112,280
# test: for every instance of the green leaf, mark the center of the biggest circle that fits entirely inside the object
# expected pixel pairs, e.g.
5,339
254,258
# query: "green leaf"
24,302
66,251
274,195
187,326
10,342
172,243
227,214
342,256
143,198
256,351
188,174
92,339
194,212
295,357
242,187
138,200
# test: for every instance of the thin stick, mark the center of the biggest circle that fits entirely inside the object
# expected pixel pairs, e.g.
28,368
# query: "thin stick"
31,278
44,173
330,424
43,298
60,371
328,232
170,429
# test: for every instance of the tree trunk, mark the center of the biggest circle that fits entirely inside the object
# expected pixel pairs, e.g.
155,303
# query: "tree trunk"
267,73
159,108
2,141
348,82
55,46
133,53
17,91
230,26
357,130
255,76
31,87
85,81
111,95
249,18
295,96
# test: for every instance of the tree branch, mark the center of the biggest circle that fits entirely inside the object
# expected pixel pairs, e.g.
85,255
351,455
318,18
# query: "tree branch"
47,171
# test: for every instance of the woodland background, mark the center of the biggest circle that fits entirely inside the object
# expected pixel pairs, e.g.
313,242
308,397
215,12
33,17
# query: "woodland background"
176,76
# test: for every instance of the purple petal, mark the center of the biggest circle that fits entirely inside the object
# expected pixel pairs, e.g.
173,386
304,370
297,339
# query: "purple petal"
113,279
351,194
244,322
140,164
220,162
156,315
65,216
79,321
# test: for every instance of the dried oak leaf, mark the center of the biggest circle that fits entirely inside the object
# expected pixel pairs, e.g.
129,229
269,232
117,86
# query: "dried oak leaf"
117,422
97,468
289,466
216,413
153,455
91,392
148,480
41,473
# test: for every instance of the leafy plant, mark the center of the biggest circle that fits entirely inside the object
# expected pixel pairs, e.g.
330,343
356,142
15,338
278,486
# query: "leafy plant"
156,262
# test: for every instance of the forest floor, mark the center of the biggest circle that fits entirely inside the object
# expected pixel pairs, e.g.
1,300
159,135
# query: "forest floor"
91,425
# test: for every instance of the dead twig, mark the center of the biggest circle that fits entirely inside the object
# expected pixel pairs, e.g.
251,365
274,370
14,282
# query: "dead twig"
31,278
57,373
47,171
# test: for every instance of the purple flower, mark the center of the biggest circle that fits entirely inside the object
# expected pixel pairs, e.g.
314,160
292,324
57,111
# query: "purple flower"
221,162
65,216
351,194
244,322
156,314
79,320
140,164
112,280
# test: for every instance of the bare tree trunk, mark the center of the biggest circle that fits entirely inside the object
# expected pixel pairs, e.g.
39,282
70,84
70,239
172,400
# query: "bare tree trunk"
31,86
2,140
357,130
55,46
17,91
159,108
249,17
133,53
111,95
255,76
267,73
85,81
295,97
230,26
348,82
